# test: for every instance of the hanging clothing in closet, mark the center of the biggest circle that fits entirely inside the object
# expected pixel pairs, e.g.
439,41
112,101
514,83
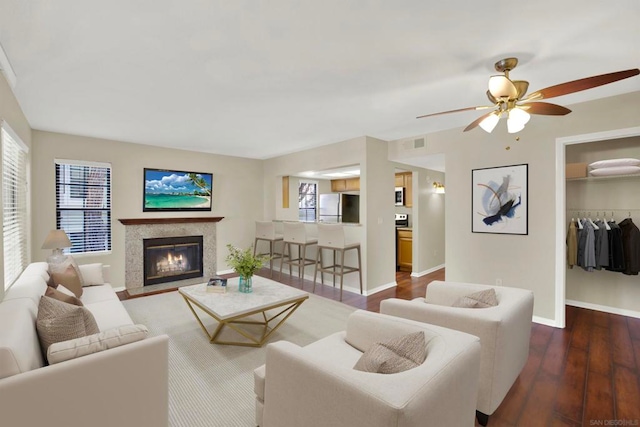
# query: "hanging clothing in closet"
572,245
586,246
616,252
601,245
631,247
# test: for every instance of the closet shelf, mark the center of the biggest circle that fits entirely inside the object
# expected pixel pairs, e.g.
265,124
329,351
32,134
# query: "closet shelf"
601,178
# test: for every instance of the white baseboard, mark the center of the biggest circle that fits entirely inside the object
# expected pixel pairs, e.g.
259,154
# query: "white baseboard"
374,290
221,272
425,272
545,321
605,308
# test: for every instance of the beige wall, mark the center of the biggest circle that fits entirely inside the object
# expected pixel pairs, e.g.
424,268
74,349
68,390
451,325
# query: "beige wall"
11,112
597,197
377,181
237,194
428,221
520,261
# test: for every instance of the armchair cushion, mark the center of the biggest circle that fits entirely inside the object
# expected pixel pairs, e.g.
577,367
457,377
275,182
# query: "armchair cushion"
398,355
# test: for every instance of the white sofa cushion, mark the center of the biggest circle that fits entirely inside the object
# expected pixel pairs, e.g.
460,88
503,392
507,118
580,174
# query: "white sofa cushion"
94,294
30,286
65,350
19,345
109,314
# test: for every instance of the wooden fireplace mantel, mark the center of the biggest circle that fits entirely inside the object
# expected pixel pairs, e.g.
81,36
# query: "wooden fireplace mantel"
142,221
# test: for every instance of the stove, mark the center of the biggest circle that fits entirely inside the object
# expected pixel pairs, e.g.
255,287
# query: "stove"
402,220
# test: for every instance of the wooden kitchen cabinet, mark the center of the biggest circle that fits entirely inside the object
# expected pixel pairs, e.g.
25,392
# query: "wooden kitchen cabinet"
339,185
405,250
405,179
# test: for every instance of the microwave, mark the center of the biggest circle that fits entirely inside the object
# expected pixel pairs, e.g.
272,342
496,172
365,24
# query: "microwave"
399,196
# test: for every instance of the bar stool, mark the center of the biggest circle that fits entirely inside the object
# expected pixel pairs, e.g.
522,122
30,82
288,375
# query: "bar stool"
331,237
295,234
266,230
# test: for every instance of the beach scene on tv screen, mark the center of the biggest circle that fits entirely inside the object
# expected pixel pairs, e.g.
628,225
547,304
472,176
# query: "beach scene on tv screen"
177,190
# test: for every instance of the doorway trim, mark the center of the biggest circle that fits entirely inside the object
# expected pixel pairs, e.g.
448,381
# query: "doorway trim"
561,220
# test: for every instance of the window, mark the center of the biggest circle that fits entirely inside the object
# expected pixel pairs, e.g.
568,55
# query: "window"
83,204
15,228
307,201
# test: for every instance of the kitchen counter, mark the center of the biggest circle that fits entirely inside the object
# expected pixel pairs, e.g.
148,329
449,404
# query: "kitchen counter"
346,224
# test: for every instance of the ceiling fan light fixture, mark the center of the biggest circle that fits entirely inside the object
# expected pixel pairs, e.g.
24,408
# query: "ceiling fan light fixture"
490,122
501,87
517,119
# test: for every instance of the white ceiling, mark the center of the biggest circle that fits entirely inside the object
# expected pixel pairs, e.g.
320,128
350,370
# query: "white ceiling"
263,78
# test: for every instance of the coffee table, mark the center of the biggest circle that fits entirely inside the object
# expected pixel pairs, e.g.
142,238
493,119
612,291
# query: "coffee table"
235,308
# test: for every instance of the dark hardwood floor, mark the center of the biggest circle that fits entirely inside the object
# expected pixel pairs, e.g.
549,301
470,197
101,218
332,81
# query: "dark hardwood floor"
587,374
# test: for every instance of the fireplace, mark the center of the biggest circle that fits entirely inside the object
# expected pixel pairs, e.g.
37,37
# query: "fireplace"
170,259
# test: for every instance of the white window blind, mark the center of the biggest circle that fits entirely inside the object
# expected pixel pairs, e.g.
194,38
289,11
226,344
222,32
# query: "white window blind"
14,202
83,204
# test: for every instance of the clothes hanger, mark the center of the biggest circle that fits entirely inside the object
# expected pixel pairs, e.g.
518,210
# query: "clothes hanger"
580,227
593,223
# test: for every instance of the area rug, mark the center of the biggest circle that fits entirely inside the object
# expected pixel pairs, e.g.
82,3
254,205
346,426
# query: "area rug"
210,384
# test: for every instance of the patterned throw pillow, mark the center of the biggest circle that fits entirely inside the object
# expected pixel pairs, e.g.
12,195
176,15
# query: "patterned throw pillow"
398,355
481,299
58,321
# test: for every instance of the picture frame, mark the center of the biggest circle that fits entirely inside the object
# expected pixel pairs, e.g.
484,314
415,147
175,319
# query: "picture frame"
166,190
499,202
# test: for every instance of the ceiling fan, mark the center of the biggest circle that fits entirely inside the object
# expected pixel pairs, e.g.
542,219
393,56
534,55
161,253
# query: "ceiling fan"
509,100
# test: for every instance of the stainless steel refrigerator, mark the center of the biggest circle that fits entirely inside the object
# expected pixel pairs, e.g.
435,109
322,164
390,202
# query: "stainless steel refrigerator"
339,208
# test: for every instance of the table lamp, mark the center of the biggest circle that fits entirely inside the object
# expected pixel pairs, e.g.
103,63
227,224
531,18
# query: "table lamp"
56,240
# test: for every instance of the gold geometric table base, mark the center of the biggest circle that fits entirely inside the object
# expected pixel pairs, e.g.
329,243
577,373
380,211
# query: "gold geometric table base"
233,322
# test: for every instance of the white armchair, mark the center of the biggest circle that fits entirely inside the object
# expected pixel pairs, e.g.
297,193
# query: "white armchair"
504,332
316,385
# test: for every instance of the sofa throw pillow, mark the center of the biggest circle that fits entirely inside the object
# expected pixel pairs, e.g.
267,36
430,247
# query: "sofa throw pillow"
62,296
58,321
397,355
69,277
115,337
91,274
482,299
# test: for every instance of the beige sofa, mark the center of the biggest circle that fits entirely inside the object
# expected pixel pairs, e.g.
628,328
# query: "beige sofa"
504,331
121,386
316,385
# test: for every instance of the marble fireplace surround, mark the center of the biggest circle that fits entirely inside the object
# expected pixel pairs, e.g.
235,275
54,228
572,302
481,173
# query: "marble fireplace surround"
137,229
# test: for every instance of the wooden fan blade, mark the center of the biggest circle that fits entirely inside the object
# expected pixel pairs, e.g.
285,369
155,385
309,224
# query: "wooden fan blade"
545,108
456,111
581,84
477,121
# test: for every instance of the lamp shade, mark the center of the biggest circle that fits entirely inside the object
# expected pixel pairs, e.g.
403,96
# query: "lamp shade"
56,239
501,87
517,119
490,122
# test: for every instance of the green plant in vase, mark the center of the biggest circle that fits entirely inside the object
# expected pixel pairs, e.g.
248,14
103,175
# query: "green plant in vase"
245,264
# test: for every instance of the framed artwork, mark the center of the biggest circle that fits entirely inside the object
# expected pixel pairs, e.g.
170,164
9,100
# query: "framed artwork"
172,190
499,200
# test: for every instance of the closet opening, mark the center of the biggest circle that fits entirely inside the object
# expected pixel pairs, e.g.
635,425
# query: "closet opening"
604,200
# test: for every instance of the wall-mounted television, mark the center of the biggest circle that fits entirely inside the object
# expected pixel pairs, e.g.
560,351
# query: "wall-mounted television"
172,190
